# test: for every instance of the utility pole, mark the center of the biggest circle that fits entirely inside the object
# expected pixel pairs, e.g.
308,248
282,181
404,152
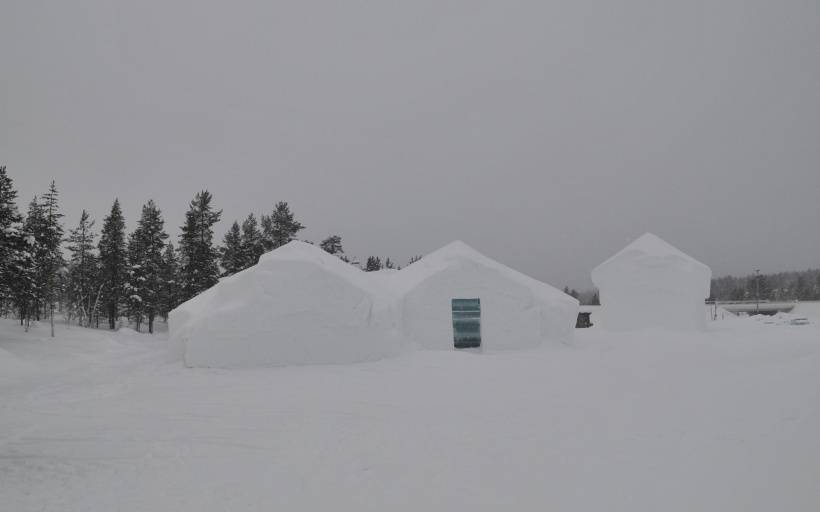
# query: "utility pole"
757,291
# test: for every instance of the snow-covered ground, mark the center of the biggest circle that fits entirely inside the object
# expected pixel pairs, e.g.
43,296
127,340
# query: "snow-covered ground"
724,420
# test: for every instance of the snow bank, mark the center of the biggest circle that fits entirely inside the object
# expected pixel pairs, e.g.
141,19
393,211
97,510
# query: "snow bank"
782,319
650,283
516,310
298,305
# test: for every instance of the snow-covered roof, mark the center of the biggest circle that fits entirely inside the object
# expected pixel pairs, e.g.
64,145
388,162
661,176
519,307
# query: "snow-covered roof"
457,252
305,252
651,250
295,251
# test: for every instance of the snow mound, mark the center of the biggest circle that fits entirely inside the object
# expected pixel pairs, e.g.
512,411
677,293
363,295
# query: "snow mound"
650,283
298,305
781,318
516,310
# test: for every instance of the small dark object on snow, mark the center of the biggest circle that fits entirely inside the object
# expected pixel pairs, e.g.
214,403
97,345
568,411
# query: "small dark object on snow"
583,321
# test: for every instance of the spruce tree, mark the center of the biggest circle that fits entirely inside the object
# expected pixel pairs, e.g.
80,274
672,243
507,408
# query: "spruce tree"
133,287
35,228
252,244
374,263
169,278
113,262
232,257
52,238
82,270
151,235
17,266
332,245
10,235
23,275
28,278
280,227
199,269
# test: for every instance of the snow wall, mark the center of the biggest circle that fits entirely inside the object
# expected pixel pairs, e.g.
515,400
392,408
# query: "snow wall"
650,283
298,305
516,310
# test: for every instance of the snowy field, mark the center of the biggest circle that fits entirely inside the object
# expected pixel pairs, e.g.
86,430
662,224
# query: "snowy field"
728,420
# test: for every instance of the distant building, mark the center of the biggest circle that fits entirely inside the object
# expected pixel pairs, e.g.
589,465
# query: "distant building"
650,283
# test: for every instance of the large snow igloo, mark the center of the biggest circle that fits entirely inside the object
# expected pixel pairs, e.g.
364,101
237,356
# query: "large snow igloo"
650,283
456,297
298,305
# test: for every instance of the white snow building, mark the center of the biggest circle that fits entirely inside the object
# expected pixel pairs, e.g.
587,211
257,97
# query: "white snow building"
652,284
298,305
457,297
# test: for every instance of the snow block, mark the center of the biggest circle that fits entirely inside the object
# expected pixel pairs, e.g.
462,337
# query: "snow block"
298,305
650,283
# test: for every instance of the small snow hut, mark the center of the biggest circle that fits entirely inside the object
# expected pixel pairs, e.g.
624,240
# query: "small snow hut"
650,283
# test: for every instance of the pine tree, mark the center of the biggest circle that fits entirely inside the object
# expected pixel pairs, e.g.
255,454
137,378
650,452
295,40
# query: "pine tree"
232,257
374,263
113,262
596,300
280,227
252,244
151,242
332,245
199,269
169,277
389,264
414,259
82,270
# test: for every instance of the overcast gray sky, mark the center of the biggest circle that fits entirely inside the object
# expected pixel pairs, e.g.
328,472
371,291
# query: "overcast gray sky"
546,134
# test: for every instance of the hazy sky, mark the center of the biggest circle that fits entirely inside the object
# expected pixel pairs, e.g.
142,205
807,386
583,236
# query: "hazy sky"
546,134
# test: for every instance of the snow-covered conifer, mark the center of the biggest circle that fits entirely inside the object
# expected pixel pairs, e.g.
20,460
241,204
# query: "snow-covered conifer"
113,262
199,269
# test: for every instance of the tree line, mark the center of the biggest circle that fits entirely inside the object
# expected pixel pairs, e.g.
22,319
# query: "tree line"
585,297
100,278
800,285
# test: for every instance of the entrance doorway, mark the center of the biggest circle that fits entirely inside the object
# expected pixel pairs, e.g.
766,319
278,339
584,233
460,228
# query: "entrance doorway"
467,323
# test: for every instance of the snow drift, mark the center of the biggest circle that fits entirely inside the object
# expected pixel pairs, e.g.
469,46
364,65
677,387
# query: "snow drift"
650,283
517,311
298,305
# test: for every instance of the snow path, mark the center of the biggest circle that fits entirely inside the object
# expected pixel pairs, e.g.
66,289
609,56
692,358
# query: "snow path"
726,420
